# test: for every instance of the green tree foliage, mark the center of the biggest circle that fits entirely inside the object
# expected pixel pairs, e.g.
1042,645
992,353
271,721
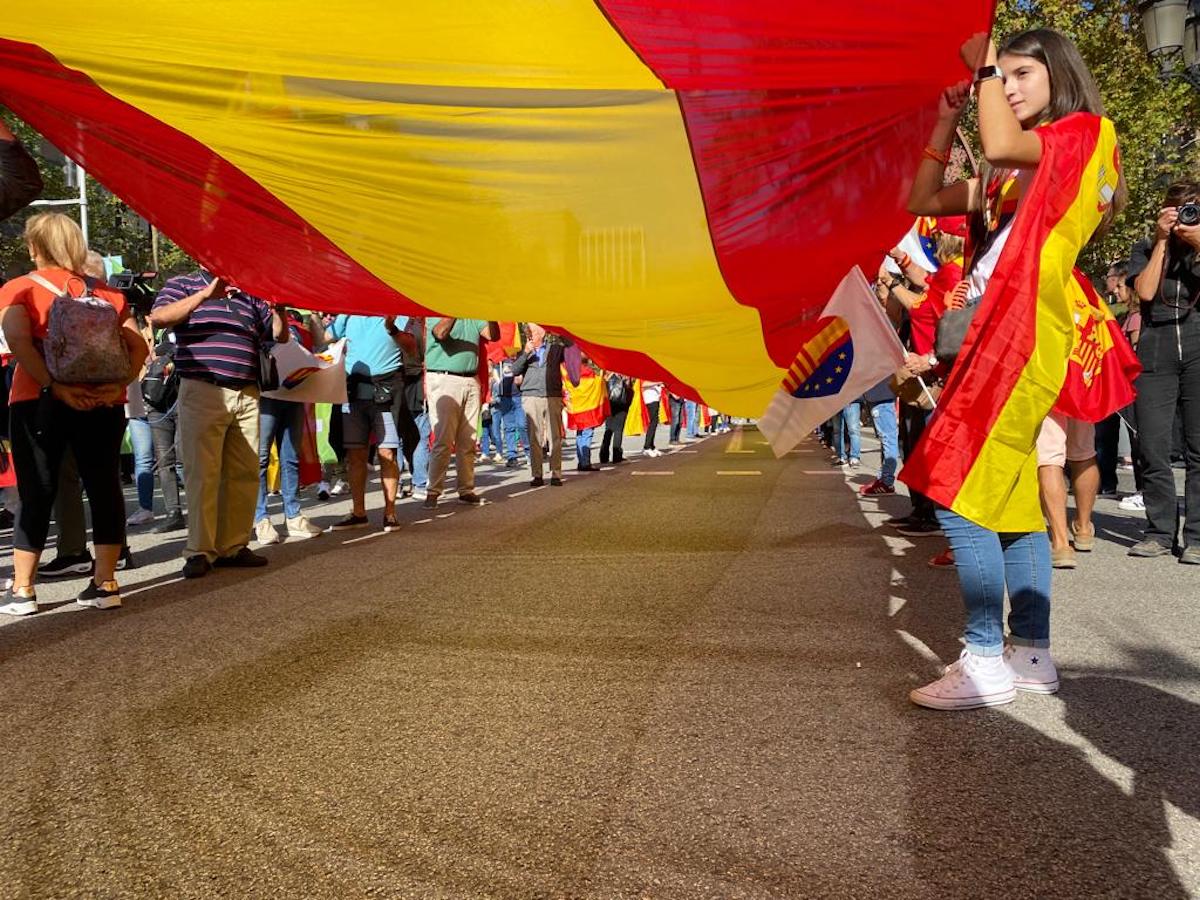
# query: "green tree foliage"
113,228
1156,121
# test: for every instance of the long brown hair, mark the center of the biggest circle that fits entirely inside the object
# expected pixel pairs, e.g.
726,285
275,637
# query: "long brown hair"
1072,90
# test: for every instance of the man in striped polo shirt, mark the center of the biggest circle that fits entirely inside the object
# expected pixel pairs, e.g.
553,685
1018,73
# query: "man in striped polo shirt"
219,331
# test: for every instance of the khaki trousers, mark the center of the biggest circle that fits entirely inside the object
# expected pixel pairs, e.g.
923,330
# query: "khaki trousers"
218,441
543,416
453,405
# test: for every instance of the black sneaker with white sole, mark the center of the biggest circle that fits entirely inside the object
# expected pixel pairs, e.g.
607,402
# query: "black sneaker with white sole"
67,566
350,521
100,596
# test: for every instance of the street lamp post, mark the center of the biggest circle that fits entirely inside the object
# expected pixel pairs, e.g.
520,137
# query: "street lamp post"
1172,31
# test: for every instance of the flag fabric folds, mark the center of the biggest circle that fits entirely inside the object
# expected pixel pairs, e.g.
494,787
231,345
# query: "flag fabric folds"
642,175
852,348
1102,366
977,456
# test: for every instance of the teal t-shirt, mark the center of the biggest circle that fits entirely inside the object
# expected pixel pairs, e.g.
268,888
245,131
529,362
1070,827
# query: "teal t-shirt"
459,353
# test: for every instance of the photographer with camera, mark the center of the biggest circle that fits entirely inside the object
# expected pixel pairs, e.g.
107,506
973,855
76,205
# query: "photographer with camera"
1165,274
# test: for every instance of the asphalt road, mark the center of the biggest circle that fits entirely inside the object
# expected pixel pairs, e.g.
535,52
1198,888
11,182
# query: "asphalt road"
682,677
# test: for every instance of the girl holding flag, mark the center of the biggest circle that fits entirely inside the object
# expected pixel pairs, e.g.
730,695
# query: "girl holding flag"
1053,181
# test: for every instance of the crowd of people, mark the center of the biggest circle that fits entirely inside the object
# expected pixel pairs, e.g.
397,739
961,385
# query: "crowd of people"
190,381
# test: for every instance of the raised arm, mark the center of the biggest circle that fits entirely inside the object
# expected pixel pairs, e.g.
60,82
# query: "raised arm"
177,311
20,180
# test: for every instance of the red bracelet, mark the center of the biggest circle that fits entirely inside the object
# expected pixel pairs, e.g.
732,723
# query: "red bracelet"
904,262
931,152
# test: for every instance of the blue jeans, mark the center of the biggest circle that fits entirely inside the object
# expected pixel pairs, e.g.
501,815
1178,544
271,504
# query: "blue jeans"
691,412
420,473
512,418
489,435
142,439
887,427
987,562
583,447
849,419
280,422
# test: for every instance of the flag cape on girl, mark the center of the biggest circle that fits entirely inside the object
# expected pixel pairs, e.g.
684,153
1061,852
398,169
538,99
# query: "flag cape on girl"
977,456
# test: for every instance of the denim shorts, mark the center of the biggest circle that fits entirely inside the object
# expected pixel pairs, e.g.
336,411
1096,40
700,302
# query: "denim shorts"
362,418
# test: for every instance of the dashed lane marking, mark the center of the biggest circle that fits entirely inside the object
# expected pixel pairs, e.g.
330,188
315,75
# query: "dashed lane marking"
532,490
651,473
738,472
366,537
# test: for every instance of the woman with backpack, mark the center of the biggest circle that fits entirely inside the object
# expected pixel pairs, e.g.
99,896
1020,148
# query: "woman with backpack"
620,398
77,349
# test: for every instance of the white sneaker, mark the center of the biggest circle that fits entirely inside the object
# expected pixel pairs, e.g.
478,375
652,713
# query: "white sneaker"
969,682
1134,502
141,517
498,458
300,527
19,603
1032,668
265,532
652,453
339,487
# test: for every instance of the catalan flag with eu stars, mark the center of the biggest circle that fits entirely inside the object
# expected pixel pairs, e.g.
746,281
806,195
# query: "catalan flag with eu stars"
849,349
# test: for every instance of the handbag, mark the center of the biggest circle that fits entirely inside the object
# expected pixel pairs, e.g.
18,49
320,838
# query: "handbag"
83,343
951,331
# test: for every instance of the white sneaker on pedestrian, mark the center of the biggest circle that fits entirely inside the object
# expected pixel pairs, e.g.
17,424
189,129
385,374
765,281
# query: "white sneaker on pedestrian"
652,453
1133,502
1032,668
141,517
339,487
970,682
498,458
265,532
301,528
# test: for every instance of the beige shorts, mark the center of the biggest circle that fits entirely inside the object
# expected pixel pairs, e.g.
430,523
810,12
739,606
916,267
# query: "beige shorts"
1062,440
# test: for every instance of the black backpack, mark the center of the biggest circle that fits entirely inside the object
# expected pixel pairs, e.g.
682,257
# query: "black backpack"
160,386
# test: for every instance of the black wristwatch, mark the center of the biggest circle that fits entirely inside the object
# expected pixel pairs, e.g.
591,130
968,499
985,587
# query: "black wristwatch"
987,72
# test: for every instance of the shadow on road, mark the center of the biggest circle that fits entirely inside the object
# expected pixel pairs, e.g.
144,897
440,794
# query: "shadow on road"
997,806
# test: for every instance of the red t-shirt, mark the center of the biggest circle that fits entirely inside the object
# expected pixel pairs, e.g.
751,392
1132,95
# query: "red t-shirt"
925,317
37,300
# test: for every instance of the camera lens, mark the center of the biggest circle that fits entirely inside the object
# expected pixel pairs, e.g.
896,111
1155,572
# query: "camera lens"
1189,214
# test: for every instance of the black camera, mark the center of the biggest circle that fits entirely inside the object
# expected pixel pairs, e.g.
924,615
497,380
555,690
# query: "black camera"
1189,214
136,288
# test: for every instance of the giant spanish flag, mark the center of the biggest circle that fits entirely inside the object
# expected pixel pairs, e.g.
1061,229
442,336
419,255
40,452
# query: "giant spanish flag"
977,456
672,182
